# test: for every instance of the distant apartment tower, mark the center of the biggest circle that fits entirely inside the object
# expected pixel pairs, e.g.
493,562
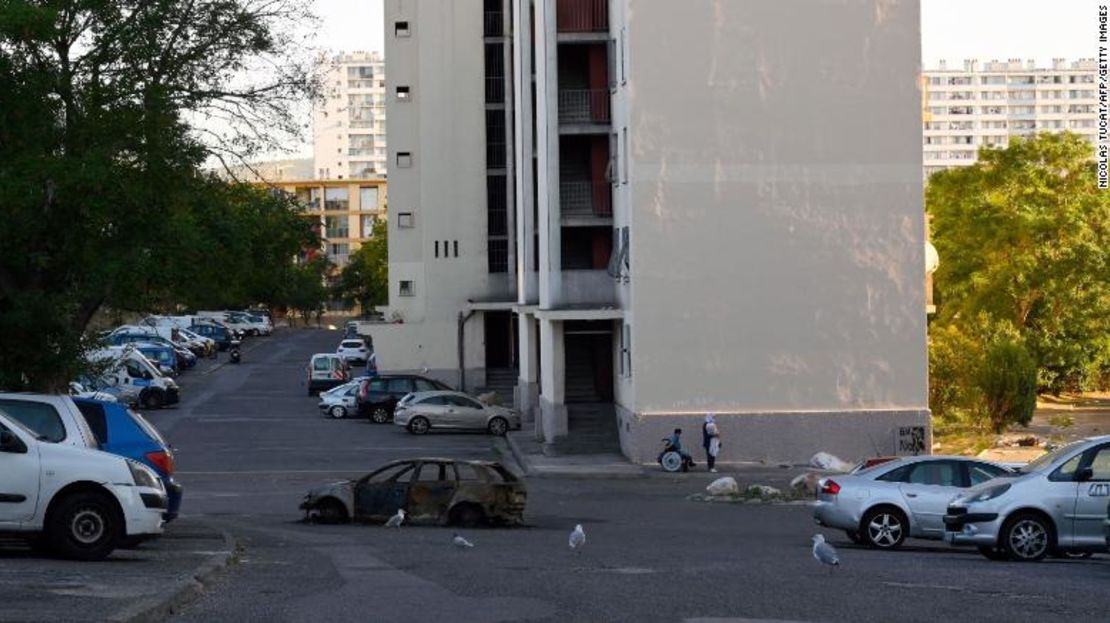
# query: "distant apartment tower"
348,125
984,105
628,214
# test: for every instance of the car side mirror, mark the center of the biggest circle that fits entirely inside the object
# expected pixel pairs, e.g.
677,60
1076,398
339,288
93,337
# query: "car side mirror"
11,444
1084,474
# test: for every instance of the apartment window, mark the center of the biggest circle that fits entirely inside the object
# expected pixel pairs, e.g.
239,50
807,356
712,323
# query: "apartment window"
624,57
407,288
405,219
456,248
627,154
336,199
368,226
368,198
626,350
401,29
437,248
336,227
498,260
402,94
404,159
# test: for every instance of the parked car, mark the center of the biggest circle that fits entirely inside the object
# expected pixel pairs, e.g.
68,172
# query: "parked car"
906,497
100,389
430,491
325,371
1055,504
123,432
378,395
341,401
215,332
354,351
78,501
424,411
127,367
53,418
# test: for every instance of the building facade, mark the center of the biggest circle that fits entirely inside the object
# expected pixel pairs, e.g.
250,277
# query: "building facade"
344,211
348,124
980,105
647,218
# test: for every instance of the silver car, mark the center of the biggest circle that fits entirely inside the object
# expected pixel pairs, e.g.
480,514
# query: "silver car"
422,411
340,402
907,497
1056,504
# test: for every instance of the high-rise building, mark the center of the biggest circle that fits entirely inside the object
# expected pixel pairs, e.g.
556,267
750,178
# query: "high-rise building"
629,214
348,125
343,211
975,105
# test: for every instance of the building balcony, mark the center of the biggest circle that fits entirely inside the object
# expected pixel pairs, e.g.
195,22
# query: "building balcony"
582,16
589,107
586,288
585,199
494,25
495,89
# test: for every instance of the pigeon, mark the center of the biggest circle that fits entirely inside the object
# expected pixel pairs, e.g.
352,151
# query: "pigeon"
395,521
824,553
461,543
577,538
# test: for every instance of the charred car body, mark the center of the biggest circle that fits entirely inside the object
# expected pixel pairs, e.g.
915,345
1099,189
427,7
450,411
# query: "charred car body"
431,492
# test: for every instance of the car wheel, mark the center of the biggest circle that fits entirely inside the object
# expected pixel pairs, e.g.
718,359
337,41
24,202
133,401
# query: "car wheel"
498,426
331,512
337,412
151,399
379,415
993,552
884,528
853,536
84,526
469,515
419,425
1027,537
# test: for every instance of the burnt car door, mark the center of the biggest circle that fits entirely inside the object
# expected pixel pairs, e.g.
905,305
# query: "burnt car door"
431,492
379,495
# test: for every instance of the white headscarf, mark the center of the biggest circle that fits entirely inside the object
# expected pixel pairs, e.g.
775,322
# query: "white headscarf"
709,418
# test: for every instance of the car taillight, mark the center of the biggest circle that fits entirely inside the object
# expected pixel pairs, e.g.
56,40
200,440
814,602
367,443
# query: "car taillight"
163,460
829,486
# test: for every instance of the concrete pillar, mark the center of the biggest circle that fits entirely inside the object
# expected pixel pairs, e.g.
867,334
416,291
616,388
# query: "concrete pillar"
547,153
523,150
527,390
553,409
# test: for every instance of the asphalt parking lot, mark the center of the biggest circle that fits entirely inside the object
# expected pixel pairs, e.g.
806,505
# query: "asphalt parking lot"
250,442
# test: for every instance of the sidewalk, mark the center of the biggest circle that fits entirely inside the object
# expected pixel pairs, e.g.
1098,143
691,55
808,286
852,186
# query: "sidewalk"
143,584
532,462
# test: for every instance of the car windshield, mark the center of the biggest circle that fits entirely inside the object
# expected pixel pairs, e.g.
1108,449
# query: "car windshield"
1045,460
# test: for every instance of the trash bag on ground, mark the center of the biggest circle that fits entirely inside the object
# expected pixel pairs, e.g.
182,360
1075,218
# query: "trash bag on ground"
826,461
723,486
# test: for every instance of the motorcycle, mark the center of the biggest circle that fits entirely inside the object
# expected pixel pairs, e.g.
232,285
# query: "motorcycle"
672,460
234,353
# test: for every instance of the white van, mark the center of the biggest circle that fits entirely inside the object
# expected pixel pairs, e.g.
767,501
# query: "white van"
128,367
80,502
325,371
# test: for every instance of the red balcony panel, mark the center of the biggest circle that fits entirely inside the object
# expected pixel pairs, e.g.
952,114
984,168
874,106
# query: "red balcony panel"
582,15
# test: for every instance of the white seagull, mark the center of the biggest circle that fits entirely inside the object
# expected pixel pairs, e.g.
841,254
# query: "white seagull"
577,538
461,543
824,553
395,521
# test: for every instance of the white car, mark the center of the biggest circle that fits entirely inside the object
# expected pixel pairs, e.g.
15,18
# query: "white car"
80,502
353,351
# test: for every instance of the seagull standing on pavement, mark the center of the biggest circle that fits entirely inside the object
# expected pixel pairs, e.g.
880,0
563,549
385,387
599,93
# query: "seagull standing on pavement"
461,543
395,521
577,538
825,553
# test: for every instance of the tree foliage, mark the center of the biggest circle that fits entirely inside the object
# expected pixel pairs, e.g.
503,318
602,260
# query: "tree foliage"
108,109
365,278
1024,240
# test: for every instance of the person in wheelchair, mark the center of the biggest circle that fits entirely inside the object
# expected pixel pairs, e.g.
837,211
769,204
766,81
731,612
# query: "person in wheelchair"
675,443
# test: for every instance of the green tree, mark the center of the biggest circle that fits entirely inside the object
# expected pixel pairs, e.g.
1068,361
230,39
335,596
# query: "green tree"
1007,381
307,287
101,191
1024,238
365,279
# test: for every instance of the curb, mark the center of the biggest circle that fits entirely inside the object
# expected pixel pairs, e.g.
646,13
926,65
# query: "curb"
170,601
585,472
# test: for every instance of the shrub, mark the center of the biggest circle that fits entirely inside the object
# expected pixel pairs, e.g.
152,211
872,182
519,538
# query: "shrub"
1008,382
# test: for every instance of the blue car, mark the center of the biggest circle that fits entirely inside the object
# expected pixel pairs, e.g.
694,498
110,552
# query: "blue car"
123,432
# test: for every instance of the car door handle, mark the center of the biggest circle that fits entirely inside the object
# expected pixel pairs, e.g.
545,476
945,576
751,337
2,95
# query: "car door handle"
911,495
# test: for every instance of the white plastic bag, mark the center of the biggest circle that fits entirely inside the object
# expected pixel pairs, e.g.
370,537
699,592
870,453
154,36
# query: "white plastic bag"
723,486
826,461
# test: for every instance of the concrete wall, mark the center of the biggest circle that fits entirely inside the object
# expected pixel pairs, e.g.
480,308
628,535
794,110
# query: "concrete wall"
442,126
429,348
777,223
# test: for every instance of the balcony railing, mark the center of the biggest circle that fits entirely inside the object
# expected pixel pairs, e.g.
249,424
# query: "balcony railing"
584,106
494,24
582,16
495,90
585,198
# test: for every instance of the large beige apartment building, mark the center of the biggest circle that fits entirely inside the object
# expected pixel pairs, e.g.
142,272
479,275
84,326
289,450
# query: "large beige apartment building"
348,124
979,105
629,214
344,211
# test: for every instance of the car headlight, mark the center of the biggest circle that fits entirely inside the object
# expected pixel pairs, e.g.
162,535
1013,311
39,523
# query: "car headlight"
987,494
143,475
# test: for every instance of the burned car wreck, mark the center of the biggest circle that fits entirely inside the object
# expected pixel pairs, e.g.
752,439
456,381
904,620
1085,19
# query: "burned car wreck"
431,492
